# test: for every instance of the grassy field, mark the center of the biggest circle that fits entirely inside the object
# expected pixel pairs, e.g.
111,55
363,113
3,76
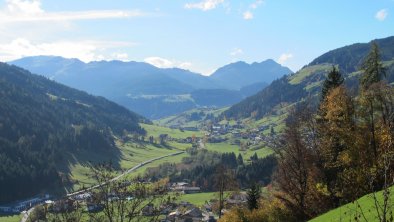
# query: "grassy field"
155,131
349,211
198,199
130,155
172,159
305,72
15,218
228,148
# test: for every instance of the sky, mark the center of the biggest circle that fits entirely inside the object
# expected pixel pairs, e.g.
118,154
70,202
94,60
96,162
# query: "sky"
198,35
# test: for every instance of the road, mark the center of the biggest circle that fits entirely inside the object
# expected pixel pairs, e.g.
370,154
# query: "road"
26,215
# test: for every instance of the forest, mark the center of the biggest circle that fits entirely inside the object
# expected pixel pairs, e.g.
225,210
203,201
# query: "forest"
202,166
41,122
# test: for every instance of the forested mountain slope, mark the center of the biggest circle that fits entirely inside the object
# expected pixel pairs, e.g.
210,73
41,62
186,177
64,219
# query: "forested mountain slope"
307,81
42,121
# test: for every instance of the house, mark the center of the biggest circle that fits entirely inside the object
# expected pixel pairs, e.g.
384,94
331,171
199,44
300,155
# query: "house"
208,217
184,188
237,199
189,190
191,215
83,196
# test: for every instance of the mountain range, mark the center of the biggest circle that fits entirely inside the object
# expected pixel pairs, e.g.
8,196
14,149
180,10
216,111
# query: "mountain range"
154,92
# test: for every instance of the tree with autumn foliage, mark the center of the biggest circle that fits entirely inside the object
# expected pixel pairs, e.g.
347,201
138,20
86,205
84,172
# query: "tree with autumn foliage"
297,175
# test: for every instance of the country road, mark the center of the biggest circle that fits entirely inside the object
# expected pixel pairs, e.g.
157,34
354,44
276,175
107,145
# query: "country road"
26,215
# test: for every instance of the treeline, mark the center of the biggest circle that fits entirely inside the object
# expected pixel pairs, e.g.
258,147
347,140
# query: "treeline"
337,152
42,121
202,168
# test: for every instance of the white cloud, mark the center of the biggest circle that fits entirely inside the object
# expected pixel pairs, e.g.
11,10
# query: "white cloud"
248,15
284,58
120,56
84,50
256,4
204,5
165,63
185,65
25,7
236,51
381,14
159,62
31,11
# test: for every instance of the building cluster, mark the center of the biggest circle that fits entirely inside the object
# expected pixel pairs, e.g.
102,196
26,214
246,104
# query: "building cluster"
19,206
184,188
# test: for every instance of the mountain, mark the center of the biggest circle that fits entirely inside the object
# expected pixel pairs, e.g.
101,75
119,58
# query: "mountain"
307,82
240,74
148,90
349,58
43,123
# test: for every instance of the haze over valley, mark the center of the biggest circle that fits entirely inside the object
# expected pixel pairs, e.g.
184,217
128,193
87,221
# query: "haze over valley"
200,110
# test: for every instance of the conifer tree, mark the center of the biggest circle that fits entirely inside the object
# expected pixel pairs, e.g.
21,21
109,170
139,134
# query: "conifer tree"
240,160
372,68
333,80
254,194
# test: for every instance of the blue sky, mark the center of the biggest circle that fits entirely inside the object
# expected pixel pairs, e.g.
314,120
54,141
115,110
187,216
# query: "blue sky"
199,35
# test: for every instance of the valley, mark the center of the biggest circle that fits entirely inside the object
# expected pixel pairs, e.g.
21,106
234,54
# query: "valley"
154,92
314,145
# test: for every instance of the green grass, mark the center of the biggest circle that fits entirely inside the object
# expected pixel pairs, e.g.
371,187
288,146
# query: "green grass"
198,199
313,85
228,148
155,131
131,154
171,159
307,71
348,211
14,218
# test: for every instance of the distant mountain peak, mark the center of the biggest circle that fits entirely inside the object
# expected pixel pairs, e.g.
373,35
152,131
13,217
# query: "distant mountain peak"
239,74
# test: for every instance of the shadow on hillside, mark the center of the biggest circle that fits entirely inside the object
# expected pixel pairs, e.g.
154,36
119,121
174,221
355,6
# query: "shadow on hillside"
85,159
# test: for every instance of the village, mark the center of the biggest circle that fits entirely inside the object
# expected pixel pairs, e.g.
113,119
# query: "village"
236,134
173,211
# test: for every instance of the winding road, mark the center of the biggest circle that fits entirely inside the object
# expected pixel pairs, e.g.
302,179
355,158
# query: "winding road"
27,213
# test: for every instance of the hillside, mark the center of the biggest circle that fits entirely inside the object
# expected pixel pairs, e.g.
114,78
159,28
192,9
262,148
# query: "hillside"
364,205
155,92
191,118
307,81
42,122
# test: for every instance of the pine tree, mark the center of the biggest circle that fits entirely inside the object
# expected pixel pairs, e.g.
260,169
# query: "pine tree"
240,160
254,194
372,68
333,80
254,157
